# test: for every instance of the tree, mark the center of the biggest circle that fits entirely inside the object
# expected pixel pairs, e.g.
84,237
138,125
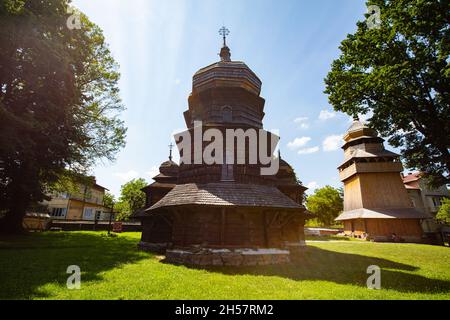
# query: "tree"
109,200
131,198
327,203
443,214
123,211
59,102
400,72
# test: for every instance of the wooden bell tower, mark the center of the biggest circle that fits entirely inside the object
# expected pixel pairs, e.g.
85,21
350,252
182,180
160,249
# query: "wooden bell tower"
376,203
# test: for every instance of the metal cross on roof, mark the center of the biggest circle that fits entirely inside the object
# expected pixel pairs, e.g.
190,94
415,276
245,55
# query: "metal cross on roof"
170,148
224,32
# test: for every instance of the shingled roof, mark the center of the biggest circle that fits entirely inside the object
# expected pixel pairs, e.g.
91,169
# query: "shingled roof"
226,195
382,213
411,177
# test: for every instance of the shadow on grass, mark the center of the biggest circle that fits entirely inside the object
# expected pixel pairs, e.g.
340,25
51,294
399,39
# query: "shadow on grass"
327,238
30,261
343,268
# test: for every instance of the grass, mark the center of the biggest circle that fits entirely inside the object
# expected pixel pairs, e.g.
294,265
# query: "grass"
314,223
34,267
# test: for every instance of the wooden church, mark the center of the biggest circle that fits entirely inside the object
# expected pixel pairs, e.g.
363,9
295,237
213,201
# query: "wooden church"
223,206
376,203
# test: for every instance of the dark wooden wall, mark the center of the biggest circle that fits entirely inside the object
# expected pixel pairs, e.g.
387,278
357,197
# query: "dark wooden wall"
236,227
157,229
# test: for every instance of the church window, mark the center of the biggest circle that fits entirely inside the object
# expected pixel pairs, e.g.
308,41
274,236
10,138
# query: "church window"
227,114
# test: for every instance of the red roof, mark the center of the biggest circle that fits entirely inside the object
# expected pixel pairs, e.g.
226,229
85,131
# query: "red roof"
412,186
415,176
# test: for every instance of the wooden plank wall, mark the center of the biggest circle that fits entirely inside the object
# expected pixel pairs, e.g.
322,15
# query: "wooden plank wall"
384,227
352,194
383,190
235,227
156,230
401,227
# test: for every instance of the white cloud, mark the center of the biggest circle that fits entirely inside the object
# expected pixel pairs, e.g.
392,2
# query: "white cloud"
331,143
312,186
308,150
325,115
302,122
154,171
298,142
127,176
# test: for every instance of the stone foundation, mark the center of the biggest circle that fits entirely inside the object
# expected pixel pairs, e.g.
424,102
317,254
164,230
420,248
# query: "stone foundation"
159,248
227,257
296,250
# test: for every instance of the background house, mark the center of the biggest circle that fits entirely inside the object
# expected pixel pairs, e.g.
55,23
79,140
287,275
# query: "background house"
84,203
425,199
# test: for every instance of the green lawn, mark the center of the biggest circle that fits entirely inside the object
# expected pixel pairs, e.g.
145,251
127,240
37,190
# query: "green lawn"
34,267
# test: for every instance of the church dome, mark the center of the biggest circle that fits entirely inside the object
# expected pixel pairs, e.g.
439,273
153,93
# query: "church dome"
169,168
226,73
286,174
359,130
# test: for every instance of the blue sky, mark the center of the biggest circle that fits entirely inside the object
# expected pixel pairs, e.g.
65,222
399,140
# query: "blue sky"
290,45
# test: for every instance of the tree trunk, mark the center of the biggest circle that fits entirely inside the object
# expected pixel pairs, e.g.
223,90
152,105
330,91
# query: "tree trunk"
12,223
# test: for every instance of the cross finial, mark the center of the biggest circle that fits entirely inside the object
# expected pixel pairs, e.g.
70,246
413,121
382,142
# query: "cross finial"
224,32
170,151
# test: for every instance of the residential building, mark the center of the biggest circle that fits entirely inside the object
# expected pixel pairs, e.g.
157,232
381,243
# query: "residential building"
425,199
85,203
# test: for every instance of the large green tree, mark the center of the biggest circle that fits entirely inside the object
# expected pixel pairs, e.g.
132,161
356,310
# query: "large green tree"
109,200
327,203
400,72
59,102
131,198
443,214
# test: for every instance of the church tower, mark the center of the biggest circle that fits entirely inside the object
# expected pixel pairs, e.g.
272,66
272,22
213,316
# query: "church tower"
376,203
229,204
225,95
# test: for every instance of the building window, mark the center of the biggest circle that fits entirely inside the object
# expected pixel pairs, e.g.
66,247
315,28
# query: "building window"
437,201
87,194
59,212
64,195
227,114
88,214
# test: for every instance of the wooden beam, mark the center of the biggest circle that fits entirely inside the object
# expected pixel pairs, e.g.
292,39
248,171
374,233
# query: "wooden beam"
287,220
180,222
166,220
273,219
222,226
266,235
152,224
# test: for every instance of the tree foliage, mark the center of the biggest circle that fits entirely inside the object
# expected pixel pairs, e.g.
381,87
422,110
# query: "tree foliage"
327,203
59,101
109,200
131,198
443,214
401,73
